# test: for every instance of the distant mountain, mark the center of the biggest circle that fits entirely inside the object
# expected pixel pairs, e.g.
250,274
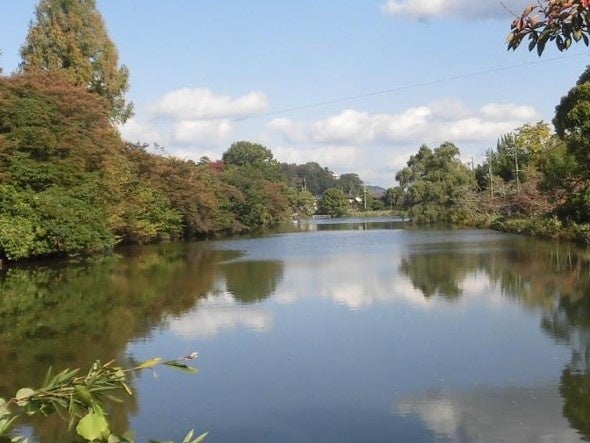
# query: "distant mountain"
376,191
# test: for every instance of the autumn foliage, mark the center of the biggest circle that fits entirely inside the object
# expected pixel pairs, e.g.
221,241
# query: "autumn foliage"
558,21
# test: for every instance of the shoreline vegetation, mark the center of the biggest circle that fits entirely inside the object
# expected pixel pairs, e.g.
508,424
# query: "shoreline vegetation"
71,186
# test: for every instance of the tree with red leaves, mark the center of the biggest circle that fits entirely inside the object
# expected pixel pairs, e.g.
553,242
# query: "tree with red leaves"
559,21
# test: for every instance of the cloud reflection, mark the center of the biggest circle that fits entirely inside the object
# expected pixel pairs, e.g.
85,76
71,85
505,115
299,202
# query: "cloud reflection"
354,281
219,312
491,415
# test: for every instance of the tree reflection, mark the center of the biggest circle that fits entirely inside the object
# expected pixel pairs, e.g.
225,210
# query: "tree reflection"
547,277
70,315
252,281
438,274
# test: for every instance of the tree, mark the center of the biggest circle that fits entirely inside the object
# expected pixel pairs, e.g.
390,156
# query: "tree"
572,119
310,176
333,203
569,169
436,185
350,184
244,153
70,36
559,21
54,139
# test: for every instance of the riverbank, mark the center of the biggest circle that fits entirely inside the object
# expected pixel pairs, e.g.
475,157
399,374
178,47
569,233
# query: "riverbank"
543,227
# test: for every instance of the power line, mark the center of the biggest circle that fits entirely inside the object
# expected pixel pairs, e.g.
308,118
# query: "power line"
410,86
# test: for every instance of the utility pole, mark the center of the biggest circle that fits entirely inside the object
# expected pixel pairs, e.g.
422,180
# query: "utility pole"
517,171
365,195
489,156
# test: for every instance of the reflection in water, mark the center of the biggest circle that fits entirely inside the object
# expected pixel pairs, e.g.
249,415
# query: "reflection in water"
355,281
492,415
400,283
252,281
550,278
70,315
215,313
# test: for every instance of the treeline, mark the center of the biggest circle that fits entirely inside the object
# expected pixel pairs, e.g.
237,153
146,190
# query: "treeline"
69,184
534,181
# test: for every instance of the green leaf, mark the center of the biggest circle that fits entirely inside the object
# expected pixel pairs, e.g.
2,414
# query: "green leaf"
84,395
187,437
114,439
22,396
180,366
3,408
92,426
6,424
149,363
129,436
200,438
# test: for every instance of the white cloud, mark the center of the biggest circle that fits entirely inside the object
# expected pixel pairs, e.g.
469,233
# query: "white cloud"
464,9
502,111
195,118
135,130
376,145
338,157
199,132
435,122
202,104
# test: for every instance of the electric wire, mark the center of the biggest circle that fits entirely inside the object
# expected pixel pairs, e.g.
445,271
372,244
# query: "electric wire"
409,86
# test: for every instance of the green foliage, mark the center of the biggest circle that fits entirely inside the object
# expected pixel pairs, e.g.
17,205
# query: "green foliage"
572,119
436,186
256,200
245,153
69,36
310,177
559,21
350,184
51,221
302,203
333,203
80,399
148,216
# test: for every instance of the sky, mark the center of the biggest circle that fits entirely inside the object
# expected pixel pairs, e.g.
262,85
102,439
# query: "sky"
355,85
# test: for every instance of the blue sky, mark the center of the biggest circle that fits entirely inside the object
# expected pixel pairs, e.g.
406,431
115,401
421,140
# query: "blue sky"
205,74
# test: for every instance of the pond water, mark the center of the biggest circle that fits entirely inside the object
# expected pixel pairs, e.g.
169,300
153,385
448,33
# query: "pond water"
335,331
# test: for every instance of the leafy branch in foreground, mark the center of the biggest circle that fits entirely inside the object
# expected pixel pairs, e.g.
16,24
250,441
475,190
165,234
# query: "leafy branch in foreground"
559,21
79,399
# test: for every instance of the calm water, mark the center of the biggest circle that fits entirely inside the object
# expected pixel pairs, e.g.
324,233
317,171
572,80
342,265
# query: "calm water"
341,331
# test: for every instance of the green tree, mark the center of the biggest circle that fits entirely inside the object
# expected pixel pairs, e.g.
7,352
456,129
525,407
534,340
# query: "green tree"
70,36
309,176
244,153
333,202
437,186
559,21
568,170
572,119
53,140
350,184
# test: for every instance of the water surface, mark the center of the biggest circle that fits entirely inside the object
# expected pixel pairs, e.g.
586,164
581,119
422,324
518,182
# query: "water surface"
339,331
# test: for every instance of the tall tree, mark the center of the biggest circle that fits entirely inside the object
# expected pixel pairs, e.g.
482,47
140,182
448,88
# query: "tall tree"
70,36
